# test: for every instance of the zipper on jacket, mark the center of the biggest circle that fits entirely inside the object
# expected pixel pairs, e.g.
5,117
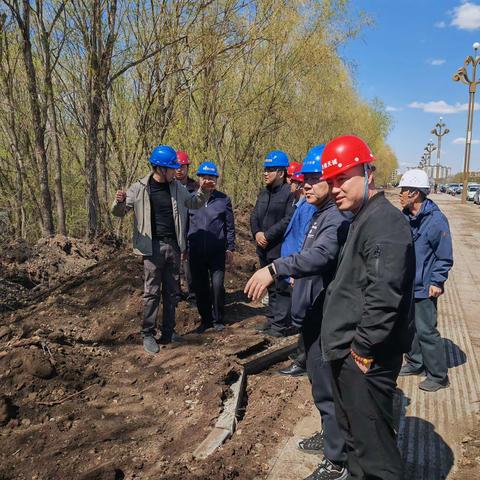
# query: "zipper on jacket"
376,255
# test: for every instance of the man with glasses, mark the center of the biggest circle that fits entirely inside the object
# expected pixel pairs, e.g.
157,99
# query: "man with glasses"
268,222
313,268
434,259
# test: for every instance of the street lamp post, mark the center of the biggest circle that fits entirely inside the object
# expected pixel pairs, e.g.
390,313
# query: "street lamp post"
428,152
462,76
439,131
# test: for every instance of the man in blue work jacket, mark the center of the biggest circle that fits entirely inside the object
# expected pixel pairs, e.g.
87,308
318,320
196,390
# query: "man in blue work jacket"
434,259
313,269
211,243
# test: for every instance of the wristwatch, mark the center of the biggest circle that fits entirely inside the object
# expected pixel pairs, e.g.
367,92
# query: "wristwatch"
271,269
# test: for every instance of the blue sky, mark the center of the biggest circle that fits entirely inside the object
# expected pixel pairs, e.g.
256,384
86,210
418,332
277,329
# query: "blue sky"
407,59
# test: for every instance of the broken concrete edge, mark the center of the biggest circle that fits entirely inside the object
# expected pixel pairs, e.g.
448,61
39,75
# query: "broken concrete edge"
227,421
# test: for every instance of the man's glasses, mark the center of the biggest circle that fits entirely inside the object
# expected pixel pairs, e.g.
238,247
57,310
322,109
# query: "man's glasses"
270,170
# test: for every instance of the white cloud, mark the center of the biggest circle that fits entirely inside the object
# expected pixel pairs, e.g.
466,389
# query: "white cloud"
461,141
441,24
466,16
437,62
440,106
389,108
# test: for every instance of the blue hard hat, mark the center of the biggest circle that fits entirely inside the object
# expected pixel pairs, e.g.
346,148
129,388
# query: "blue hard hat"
313,160
164,156
207,168
276,158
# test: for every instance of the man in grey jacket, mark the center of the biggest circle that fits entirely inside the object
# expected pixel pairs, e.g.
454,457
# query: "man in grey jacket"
160,206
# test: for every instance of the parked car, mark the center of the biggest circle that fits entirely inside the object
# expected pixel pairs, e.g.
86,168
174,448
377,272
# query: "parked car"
442,188
454,188
472,188
476,197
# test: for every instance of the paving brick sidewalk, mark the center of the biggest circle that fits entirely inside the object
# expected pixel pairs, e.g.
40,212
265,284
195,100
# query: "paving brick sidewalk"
431,425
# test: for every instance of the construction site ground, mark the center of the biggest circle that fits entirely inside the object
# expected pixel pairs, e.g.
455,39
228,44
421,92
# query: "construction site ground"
80,399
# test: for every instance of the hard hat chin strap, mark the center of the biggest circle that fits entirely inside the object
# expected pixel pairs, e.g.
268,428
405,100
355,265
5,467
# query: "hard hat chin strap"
365,185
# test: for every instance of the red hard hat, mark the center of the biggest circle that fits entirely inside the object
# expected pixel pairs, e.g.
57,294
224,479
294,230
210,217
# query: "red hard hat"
298,177
294,167
182,158
343,153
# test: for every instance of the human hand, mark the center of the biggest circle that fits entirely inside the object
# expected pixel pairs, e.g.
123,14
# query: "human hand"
434,291
258,284
261,240
120,196
228,257
184,256
207,184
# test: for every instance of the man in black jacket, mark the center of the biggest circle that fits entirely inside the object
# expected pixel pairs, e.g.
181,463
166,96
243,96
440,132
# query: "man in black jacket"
313,268
268,222
368,311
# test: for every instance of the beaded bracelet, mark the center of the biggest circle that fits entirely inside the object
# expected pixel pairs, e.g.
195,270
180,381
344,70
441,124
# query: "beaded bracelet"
362,360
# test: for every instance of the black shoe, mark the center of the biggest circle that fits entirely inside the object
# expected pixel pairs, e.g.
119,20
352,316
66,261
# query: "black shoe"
176,338
219,327
165,340
429,385
408,370
273,333
203,327
329,471
294,370
314,444
261,327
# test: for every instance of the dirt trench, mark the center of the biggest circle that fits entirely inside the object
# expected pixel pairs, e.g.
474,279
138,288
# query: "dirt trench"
80,399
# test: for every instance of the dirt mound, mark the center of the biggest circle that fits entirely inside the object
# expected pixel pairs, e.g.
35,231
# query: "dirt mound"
28,270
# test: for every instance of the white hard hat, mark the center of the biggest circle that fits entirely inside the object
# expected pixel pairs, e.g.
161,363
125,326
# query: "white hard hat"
415,178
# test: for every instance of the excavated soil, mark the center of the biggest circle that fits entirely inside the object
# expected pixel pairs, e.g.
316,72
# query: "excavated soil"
80,399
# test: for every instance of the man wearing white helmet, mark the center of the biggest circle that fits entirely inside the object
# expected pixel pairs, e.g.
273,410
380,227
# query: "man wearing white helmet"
434,259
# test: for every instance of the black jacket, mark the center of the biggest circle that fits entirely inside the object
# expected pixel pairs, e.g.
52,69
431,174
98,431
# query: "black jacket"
211,228
369,304
271,215
314,266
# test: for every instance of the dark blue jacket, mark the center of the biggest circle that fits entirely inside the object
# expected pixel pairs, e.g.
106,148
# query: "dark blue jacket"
211,228
298,227
271,215
314,266
433,247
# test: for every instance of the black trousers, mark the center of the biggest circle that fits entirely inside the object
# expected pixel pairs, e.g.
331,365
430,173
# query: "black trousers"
364,406
320,376
208,276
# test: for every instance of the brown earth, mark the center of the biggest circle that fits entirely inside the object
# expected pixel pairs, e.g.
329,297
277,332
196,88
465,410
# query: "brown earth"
79,398
469,462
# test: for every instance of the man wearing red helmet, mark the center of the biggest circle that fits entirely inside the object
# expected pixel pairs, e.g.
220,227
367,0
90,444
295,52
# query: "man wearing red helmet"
182,173
368,311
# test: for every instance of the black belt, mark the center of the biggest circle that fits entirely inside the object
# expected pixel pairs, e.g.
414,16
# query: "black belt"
166,239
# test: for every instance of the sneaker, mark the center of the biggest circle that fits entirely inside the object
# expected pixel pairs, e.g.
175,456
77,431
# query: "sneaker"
314,444
329,471
219,327
408,369
203,327
150,345
430,385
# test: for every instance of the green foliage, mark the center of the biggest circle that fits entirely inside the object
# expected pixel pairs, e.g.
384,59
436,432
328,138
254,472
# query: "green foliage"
225,80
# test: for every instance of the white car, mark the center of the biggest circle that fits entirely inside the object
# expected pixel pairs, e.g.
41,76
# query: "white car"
471,191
